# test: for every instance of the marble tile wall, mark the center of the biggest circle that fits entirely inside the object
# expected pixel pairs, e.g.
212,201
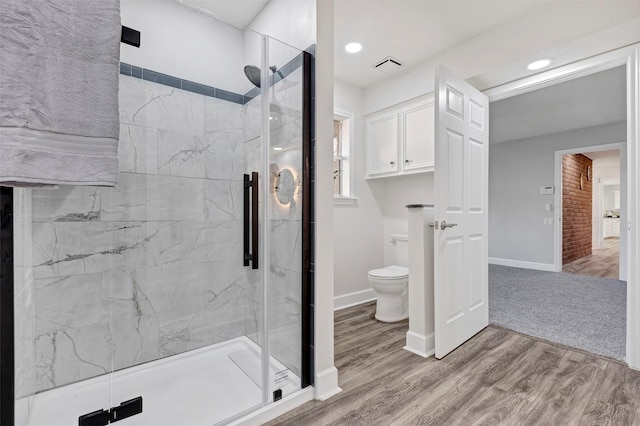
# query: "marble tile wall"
152,267
25,361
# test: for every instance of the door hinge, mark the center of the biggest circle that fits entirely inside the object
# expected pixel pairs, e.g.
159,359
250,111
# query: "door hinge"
114,414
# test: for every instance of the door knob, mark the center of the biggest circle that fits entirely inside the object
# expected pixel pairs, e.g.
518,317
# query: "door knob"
444,225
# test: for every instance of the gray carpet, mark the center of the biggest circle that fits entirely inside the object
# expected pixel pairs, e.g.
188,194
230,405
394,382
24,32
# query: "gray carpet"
583,312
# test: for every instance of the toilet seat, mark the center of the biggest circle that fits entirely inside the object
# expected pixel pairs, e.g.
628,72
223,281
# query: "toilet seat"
392,272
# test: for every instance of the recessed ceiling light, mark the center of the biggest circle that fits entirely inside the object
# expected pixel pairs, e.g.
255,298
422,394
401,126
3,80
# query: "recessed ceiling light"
353,47
538,65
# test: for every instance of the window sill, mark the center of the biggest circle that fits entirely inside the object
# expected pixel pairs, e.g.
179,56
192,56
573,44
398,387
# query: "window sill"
344,201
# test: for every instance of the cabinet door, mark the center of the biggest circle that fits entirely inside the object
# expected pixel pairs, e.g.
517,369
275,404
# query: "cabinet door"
418,136
382,144
615,227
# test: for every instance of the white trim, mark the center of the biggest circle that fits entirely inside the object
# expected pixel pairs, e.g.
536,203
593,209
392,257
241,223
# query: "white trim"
276,409
326,384
419,344
562,74
557,166
353,299
629,56
522,264
339,200
633,209
346,115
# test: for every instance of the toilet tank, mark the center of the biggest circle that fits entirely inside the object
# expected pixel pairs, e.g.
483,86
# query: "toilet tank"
401,249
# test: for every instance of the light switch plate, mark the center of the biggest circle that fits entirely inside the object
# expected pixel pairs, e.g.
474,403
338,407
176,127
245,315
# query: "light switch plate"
547,190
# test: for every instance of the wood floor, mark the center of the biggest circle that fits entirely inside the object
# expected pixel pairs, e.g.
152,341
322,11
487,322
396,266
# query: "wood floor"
604,262
499,377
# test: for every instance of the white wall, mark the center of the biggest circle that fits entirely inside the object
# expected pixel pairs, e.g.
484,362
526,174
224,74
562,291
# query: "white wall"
326,378
358,242
363,231
290,22
516,172
602,168
184,43
395,194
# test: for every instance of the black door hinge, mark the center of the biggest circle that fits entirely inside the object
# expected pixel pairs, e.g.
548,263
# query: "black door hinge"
114,414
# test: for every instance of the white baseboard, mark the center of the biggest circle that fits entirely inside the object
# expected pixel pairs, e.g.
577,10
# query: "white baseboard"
276,409
326,384
522,264
353,299
419,344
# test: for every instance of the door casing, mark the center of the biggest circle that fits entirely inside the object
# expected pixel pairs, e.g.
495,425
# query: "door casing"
629,57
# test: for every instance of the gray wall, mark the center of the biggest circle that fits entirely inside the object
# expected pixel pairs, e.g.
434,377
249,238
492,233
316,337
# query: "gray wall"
517,169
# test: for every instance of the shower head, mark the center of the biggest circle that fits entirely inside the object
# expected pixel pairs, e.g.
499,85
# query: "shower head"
253,74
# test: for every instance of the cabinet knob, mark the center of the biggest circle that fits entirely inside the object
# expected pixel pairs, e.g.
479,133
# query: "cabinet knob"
406,161
392,162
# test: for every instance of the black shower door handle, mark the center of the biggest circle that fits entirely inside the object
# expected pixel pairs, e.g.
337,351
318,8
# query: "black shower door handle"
251,215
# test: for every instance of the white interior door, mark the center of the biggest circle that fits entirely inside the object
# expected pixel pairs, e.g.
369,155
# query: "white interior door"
461,185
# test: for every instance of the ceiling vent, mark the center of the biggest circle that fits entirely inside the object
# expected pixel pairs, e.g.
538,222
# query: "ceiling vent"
388,65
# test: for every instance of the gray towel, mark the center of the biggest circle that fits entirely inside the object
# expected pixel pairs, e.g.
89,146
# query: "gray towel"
59,69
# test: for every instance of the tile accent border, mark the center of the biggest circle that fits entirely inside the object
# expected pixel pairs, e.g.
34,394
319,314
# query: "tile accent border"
179,83
214,92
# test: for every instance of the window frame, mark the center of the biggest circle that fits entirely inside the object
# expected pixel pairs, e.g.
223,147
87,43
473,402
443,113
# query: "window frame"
346,157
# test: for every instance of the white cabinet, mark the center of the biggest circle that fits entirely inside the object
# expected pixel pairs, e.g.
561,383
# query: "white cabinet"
382,144
418,132
611,227
400,140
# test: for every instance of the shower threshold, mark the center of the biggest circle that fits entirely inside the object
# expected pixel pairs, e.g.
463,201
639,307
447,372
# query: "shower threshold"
202,387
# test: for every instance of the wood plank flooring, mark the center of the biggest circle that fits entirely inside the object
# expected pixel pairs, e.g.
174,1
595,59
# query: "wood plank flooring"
603,262
499,377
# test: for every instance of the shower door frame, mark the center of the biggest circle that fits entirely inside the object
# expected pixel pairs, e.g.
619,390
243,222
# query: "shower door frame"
7,322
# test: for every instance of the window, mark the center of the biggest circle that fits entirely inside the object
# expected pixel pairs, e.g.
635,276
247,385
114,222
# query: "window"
341,157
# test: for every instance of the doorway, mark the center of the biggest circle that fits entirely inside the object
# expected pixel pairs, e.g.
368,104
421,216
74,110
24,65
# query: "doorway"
527,211
592,207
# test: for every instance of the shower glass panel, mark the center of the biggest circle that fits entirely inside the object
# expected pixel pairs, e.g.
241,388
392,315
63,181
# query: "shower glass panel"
285,168
182,285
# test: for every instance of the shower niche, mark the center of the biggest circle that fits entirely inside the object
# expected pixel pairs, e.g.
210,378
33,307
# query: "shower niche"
141,290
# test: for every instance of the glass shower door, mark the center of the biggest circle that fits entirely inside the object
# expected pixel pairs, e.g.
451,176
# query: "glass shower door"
285,161
179,292
186,316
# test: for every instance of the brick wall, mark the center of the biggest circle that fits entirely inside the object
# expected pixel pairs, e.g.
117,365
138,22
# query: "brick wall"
576,208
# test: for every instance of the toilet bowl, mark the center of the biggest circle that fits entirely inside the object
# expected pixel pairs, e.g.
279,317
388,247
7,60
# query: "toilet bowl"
391,284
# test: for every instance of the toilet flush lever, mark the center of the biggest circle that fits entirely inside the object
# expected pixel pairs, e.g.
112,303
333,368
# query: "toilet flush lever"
444,225
434,224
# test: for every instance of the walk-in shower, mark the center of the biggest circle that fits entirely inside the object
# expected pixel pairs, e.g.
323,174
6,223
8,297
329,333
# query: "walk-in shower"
183,292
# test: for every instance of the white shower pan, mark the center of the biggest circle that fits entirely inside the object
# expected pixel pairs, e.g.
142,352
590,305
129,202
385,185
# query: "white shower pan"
203,387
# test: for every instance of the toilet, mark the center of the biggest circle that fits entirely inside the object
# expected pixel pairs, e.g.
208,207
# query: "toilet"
390,284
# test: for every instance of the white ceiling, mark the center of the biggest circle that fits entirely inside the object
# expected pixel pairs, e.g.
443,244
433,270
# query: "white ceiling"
608,155
417,31
410,31
585,102
238,13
